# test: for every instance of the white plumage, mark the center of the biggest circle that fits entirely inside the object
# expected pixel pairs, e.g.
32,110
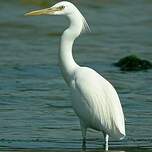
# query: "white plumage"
97,103
94,99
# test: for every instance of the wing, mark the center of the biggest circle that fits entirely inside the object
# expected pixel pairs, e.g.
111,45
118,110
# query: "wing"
97,103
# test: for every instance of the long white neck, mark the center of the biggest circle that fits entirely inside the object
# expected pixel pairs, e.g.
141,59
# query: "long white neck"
67,63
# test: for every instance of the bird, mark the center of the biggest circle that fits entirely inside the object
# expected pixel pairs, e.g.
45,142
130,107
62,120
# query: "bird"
94,99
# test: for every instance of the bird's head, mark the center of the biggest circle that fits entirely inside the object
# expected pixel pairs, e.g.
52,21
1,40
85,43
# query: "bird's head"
63,8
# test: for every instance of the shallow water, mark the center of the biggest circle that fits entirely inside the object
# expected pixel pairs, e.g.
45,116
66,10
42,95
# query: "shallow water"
35,107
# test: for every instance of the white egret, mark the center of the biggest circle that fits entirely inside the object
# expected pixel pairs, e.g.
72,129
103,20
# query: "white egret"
94,99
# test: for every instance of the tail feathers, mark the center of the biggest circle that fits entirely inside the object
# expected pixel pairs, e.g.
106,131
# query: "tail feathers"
117,133
121,133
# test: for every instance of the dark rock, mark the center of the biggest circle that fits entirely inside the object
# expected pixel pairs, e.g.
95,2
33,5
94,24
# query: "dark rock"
133,63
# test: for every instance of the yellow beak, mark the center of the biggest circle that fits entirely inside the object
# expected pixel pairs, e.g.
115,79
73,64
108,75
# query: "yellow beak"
46,11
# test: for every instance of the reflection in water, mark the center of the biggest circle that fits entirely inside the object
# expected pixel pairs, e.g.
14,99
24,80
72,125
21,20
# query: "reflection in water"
75,150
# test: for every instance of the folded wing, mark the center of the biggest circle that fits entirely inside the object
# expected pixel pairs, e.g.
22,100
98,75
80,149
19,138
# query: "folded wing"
97,104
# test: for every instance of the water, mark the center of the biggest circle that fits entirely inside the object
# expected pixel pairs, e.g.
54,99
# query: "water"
35,107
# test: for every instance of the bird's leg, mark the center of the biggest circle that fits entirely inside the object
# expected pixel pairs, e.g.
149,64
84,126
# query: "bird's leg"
106,137
83,130
84,137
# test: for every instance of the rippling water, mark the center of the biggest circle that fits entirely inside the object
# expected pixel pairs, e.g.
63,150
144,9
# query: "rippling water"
35,107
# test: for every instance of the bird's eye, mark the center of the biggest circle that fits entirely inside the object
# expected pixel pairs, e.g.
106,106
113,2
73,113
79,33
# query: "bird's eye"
61,7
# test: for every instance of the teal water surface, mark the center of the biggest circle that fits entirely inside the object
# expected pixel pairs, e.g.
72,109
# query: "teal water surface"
35,106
